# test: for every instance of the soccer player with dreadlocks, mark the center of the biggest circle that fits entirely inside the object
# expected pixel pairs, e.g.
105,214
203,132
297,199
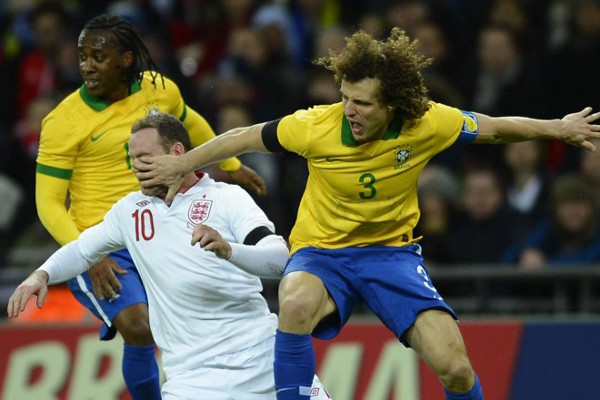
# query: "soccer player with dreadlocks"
84,157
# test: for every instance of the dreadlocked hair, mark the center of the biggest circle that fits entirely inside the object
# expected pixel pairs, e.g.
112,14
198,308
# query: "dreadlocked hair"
396,62
128,40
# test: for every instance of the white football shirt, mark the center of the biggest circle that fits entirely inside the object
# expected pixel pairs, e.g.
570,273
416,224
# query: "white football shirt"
200,306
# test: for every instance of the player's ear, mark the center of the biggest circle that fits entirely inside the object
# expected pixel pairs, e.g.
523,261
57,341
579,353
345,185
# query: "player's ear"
127,59
177,149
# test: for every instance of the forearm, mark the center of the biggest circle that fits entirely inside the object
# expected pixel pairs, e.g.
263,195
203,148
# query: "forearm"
266,259
66,263
201,132
50,197
231,143
516,129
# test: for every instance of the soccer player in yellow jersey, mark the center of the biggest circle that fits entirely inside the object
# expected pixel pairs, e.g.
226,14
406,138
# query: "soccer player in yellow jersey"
353,237
84,157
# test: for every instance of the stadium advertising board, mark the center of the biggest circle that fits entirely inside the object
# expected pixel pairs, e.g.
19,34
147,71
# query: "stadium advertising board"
514,362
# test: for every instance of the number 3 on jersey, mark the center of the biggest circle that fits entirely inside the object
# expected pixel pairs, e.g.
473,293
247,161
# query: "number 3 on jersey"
368,182
144,224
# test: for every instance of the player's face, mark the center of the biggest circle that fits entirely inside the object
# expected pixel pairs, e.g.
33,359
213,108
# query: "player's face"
146,142
368,117
102,65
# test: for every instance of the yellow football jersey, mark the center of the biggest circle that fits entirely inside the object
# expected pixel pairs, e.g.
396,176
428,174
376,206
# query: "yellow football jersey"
362,195
86,140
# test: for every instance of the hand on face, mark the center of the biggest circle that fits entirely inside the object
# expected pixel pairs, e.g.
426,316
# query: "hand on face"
158,175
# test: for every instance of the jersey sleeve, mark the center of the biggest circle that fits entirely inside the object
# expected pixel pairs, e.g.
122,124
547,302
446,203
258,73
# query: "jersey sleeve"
244,215
93,244
447,125
98,241
58,145
293,131
58,149
50,197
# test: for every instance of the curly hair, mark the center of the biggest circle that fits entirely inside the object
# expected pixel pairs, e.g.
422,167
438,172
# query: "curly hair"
128,40
396,62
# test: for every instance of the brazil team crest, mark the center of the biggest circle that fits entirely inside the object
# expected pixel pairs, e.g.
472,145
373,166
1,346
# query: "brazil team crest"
403,155
199,211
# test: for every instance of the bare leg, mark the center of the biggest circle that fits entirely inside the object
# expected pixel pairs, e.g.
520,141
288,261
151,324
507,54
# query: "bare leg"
437,340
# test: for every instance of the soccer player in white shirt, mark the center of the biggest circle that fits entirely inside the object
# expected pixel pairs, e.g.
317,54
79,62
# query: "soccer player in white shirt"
207,315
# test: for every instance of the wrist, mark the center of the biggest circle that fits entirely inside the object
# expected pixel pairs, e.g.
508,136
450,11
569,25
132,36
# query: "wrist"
41,275
185,164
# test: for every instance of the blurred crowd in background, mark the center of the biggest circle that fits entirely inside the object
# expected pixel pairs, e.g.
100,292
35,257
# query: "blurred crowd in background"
239,62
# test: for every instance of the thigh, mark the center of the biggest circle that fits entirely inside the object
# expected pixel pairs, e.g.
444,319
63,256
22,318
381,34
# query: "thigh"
396,286
332,270
133,292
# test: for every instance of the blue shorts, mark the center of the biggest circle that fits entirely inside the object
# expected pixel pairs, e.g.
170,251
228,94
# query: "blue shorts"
132,293
391,281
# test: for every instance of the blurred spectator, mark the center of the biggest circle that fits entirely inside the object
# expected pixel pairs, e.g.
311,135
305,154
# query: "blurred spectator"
504,82
570,236
28,130
486,226
329,39
517,16
439,190
589,168
320,88
200,31
407,15
528,185
573,77
38,72
251,74
276,23
12,199
233,116
501,82
374,24
30,67
441,74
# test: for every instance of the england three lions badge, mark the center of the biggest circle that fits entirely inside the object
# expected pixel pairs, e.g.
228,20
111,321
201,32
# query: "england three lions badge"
199,211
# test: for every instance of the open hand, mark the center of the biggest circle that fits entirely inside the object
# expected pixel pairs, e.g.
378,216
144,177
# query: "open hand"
35,284
578,129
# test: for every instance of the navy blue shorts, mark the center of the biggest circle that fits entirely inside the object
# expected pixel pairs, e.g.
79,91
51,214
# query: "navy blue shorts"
132,293
391,281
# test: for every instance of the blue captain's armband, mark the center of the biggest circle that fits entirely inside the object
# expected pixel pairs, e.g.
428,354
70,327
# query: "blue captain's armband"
470,127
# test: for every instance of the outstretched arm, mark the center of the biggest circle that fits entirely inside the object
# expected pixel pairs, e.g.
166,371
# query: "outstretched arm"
575,129
67,262
169,170
200,132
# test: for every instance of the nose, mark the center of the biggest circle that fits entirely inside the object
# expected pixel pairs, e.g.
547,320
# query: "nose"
86,65
349,108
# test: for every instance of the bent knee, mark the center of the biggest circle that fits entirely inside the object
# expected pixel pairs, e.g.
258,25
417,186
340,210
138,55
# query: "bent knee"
297,311
459,376
135,330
